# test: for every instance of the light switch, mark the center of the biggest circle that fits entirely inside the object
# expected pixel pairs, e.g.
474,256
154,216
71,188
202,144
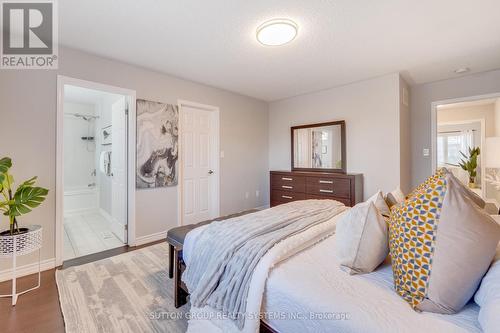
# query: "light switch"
426,152
222,154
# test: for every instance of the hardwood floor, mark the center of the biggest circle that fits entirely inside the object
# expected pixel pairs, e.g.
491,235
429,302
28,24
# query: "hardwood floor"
38,311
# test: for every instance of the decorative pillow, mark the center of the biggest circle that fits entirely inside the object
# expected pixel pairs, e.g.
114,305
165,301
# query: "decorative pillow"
488,297
441,245
467,191
464,189
429,181
395,197
362,242
379,202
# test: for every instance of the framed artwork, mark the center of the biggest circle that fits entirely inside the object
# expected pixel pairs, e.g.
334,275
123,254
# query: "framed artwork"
157,142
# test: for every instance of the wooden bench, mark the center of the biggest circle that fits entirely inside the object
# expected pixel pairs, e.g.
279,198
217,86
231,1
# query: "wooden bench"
176,265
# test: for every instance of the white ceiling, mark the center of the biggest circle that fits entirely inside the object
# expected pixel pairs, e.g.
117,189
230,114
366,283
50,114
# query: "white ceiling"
339,42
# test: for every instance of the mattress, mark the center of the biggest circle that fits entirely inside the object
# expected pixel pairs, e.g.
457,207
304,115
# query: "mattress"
309,293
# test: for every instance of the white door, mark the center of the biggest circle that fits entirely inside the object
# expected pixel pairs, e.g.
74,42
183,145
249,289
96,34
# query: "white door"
199,163
119,169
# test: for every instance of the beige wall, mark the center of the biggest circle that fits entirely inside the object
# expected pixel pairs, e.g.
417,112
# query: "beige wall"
486,112
28,135
371,111
422,97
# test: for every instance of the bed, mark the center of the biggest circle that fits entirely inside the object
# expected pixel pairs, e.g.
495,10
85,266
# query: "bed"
304,284
309,293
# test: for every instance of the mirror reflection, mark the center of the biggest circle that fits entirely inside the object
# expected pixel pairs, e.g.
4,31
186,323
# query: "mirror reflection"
318,147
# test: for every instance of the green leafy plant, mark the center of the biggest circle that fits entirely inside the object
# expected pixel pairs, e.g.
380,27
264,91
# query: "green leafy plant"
20,201
469,163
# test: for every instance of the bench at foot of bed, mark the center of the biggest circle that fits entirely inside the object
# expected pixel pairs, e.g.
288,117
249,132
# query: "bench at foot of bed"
175,240
176,265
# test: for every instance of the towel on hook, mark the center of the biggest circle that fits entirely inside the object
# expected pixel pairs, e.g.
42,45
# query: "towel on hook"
108,164
102,159
105,163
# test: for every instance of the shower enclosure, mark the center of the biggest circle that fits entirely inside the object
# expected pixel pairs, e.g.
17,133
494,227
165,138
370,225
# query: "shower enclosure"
80,190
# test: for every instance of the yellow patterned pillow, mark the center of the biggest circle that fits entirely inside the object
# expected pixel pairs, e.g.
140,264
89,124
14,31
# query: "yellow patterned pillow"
440,274
411,238
430,180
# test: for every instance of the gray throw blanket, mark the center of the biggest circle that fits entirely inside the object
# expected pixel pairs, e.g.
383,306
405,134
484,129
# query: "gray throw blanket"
226,253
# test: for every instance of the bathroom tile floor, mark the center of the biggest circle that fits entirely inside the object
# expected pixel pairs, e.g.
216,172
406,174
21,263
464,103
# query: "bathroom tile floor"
87,233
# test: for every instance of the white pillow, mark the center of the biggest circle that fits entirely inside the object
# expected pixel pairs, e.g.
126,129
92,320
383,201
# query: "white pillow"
379,201
362,239
396,196
488,297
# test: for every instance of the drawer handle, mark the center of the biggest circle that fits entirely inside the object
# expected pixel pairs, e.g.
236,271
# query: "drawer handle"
326,191
286,178
286,197
326,181
286,186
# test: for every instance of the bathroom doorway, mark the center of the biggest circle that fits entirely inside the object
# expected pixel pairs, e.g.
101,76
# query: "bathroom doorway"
93,169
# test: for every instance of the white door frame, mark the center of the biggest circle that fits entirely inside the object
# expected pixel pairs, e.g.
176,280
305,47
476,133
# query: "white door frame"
434,106
216,167
131,166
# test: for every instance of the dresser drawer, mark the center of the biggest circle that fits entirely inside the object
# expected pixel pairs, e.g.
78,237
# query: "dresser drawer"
324,186
285,196
345,201
288,183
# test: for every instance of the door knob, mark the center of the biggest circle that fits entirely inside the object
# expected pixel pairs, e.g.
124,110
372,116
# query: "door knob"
210,172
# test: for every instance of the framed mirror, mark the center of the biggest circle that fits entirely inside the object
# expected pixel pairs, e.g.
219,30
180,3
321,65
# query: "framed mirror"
319,147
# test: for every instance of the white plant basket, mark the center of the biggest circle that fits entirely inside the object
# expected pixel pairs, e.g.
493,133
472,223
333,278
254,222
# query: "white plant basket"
19,245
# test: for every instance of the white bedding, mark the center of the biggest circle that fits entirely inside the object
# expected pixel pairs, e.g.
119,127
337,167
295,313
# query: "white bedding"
311,284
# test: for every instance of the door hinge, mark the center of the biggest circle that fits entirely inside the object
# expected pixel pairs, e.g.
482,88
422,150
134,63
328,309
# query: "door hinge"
126,111
126,227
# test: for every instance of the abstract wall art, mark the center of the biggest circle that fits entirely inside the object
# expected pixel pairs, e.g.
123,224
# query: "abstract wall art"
157,142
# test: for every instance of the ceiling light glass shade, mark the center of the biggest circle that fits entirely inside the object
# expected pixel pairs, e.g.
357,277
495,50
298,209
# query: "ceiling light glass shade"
276,32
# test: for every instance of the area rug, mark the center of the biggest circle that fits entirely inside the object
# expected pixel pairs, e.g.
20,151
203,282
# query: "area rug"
130,292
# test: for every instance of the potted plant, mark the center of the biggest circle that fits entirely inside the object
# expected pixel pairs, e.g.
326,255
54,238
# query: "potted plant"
469,164
17,202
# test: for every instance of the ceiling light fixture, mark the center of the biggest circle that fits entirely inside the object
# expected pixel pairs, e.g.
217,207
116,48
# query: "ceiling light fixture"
462,70
277,32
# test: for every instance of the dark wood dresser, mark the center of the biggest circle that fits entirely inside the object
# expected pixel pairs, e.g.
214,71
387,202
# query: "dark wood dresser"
289,186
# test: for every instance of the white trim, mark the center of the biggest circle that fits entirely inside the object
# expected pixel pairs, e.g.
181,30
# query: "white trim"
216,167
150,238
6,274
131,167
434,106
263,207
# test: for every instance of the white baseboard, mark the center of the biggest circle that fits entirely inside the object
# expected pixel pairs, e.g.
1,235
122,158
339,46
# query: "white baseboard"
262,207
29,269
150,238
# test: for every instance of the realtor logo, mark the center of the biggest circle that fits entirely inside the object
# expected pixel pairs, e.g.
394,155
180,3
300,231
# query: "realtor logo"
29,35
